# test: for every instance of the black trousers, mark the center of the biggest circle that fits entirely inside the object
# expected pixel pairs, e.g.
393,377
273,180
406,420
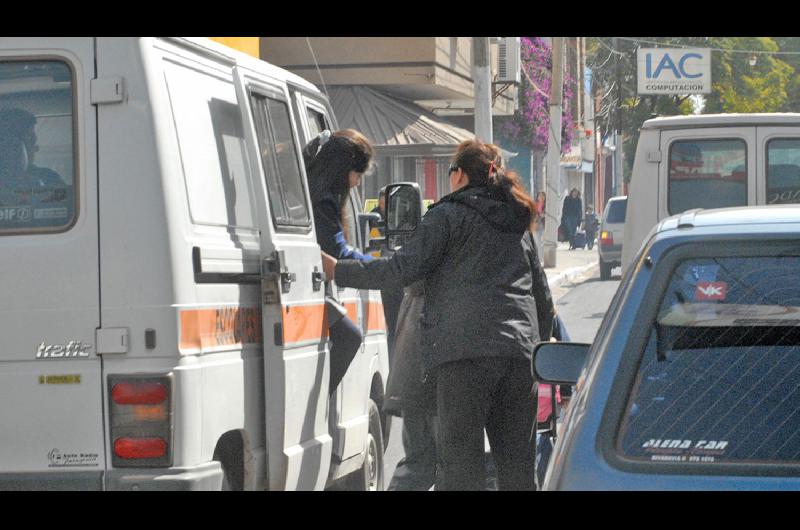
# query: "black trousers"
417,470
492,393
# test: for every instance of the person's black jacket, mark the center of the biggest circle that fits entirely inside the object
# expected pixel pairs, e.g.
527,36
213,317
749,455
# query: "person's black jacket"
330,233
573,208
474,253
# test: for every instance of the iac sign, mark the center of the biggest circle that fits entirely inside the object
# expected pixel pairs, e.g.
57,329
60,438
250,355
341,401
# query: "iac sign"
678,64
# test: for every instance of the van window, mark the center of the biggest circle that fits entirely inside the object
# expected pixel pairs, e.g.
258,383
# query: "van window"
316,122
616,211
212,147
783,171
37,147
707,174
719,381
279,158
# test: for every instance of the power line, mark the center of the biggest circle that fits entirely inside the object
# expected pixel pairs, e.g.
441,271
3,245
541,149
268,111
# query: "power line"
659,43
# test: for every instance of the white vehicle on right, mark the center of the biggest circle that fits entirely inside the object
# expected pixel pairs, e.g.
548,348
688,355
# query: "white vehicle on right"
612,230
710,161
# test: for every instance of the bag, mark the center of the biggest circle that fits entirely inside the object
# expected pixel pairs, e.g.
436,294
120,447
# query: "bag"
345,339
562,233
579,240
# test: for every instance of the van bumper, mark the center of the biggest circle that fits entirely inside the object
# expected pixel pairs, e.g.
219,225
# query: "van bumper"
204,477
52,481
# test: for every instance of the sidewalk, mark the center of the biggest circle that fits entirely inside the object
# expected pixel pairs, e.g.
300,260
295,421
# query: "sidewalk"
570,264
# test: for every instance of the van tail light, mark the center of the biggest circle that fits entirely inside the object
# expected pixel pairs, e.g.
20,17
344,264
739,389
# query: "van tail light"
606,238
140,413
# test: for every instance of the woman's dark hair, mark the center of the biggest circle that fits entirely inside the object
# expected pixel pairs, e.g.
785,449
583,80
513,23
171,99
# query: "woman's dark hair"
483,165
329,159
328,166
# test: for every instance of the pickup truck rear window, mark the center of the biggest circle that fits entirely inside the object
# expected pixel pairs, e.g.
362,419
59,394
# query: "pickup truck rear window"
707,174
37,150
719,381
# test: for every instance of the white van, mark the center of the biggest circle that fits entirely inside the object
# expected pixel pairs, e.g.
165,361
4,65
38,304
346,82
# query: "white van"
163,324
710,161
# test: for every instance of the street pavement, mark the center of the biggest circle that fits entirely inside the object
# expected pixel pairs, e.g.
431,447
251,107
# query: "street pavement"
579,296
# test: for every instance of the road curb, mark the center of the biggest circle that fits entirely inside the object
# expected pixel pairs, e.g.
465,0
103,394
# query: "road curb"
568,274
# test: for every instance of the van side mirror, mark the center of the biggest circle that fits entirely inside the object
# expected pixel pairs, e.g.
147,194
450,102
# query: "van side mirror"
403,209
559,363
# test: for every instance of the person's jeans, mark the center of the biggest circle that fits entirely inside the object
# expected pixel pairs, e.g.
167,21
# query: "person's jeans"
416,471
495,393
571,226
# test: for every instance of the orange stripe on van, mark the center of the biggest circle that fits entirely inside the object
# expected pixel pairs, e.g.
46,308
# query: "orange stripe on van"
376,321
304,322
202,329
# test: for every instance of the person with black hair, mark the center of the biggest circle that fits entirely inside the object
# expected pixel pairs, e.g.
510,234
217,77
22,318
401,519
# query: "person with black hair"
335,163
481,318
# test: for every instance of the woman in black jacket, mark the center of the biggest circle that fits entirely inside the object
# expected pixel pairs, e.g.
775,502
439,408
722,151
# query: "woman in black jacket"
474,251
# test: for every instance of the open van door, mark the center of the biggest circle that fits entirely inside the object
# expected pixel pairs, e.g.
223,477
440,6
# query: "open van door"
293,303
50,373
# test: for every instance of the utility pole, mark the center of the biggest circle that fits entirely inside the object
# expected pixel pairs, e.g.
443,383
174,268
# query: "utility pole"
482,77
553,177
618,132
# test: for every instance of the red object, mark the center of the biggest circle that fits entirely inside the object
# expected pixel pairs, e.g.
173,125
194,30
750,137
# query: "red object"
430,180
607,241
711,291
545,408
139,393
133,448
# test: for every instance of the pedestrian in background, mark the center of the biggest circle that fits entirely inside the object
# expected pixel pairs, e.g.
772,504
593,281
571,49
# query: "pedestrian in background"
479,324
571,215
590,223
539,220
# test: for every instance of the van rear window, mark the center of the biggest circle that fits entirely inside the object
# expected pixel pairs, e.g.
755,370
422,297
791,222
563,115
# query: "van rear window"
783,171
719,381
37,157
707,174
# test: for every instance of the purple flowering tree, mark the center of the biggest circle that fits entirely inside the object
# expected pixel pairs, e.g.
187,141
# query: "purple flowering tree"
529,127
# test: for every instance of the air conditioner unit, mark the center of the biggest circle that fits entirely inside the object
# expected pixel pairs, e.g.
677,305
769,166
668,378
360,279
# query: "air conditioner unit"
508,60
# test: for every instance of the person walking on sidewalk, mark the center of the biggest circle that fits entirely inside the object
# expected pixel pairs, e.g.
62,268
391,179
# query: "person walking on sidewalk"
590,223
571,215
479,322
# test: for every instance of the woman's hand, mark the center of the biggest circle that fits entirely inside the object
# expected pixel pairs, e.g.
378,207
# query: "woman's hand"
328,265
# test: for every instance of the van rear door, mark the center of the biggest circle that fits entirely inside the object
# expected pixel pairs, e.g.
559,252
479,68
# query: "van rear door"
50,374
706,168
293,303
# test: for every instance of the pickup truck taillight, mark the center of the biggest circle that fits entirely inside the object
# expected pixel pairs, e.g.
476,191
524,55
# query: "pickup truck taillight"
606,238
140,411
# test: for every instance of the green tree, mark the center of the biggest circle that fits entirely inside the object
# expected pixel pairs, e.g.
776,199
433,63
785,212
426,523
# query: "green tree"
771,85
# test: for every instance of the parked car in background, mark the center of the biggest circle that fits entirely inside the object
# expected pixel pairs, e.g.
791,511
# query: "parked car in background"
693,378
612,229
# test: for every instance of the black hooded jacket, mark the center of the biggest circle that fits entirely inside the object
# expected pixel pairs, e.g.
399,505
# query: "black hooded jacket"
475,255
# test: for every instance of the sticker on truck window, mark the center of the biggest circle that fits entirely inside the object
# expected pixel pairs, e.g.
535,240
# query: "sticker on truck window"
679,450
707,291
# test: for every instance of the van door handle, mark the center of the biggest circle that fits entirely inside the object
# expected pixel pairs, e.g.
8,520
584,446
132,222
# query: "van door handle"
317,279
287,278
